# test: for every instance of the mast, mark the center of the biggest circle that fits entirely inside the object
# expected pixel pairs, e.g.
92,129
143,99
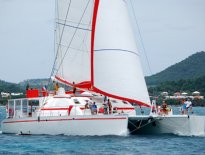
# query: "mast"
95,11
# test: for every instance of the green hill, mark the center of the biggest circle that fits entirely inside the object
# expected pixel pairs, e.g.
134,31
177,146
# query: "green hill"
189,86
34,83
10,87
190,68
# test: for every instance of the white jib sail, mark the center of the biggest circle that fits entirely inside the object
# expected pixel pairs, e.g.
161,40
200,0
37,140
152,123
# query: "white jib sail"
117,68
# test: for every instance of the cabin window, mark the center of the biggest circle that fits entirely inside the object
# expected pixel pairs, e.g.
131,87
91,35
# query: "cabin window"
113,101
125,102
18,105
76,101
24,106
33,105
11,108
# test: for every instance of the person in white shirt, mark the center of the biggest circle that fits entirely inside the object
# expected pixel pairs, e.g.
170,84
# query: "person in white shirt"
189,105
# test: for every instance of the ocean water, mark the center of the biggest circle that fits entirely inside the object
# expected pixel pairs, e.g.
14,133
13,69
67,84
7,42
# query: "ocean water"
120,145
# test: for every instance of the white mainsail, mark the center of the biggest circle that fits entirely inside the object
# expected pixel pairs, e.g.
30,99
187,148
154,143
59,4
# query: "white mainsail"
96,49
73,37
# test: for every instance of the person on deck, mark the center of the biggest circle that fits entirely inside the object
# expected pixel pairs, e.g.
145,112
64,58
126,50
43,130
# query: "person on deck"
164,108
27,86
105,108
56,86
184,109
74,88
86,105
109,106
94,108
189,105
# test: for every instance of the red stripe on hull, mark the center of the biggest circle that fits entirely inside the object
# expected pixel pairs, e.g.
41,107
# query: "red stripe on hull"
119,108
68,119
59,108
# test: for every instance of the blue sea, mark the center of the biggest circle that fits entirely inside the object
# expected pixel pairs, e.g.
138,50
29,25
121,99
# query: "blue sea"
121,145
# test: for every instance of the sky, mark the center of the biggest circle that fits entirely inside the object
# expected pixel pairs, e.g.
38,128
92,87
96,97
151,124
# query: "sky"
170,30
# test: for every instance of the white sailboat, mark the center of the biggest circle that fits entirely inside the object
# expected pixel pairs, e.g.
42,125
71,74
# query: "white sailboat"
92,38
96,52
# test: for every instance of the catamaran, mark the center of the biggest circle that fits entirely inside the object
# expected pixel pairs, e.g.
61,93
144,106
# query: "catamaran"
96,53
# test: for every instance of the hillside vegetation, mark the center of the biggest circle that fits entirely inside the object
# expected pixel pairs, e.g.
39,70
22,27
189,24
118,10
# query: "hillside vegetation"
9,87
189,86
34,83
190,68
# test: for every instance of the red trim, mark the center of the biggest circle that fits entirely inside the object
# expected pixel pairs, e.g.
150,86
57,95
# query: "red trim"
61,97
120,98
95,11
118,108
59,108
67,119
84,84
55,109
71,92
124,108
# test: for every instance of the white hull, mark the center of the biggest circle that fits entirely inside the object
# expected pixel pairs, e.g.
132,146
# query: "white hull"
182,125
173,124
72,125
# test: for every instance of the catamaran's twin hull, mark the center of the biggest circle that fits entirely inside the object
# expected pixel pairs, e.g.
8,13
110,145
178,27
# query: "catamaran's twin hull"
76,125
174,124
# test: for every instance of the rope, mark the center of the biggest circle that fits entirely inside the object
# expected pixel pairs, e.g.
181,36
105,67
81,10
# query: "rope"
142,42
61,36
63,57
139,127
140,36
73,36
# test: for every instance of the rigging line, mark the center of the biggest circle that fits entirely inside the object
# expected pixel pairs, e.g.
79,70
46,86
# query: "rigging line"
81,28
59,36
73,35
140,36
55,29
142,43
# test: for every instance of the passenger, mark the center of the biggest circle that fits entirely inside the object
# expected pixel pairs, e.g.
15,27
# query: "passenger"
86,105
105,99
27,86
188,105
94,109
101,110
154,109
184,109
105,108
109,106
74,88
90,103
56,86
164,108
